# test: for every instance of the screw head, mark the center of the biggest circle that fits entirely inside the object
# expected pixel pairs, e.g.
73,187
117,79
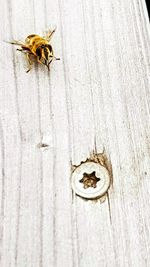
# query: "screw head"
90,180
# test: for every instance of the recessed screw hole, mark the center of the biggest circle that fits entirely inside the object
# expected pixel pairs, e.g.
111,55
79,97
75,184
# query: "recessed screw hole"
89,180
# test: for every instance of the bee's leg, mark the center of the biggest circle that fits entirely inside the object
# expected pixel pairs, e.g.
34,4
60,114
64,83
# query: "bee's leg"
49,35
39,61
21,50
30,63
56,58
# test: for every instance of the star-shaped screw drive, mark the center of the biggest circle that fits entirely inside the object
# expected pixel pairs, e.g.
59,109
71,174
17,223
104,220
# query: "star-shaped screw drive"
89,180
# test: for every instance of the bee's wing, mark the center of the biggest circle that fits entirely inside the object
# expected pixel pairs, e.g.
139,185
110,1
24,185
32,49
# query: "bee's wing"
14,42
49,34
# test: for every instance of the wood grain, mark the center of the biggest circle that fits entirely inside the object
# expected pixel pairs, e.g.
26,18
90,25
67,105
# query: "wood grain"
95,99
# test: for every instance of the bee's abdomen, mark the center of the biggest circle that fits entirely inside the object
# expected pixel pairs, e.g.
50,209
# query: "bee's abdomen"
31,38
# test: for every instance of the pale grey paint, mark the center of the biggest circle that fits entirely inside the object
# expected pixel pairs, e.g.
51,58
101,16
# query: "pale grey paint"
96,97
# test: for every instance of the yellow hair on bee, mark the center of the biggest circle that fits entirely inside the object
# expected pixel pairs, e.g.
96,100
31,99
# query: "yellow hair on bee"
39,47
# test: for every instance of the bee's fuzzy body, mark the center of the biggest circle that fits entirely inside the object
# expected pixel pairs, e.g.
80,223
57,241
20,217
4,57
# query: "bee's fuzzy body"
39,47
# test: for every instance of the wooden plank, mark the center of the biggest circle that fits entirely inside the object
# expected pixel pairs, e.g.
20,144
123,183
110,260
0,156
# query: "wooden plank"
95,99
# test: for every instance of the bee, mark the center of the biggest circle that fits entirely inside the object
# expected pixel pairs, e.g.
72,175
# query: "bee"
37,47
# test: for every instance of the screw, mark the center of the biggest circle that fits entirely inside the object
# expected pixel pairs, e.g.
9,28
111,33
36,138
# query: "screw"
90,180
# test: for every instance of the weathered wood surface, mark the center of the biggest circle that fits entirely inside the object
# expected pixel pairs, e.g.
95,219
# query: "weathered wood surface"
96,97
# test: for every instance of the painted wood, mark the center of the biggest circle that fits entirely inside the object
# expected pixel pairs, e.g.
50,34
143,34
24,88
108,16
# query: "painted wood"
95,99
